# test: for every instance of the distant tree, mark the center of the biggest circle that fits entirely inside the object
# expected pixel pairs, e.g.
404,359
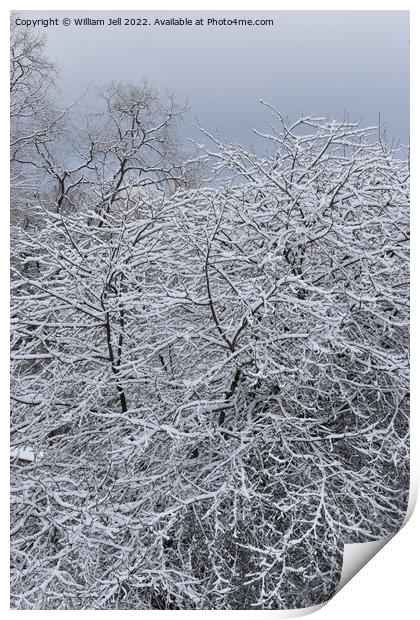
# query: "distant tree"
34,117
32,83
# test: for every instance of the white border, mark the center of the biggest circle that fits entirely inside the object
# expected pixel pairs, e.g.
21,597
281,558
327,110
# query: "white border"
387,586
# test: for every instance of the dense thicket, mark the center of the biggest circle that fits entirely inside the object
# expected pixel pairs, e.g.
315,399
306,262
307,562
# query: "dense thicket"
209,382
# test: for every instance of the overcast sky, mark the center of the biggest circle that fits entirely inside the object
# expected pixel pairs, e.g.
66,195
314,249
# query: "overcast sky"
322,62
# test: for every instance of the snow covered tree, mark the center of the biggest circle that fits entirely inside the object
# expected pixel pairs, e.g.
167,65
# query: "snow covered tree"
211,382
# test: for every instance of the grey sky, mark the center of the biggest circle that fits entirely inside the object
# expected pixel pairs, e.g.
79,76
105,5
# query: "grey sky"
320,62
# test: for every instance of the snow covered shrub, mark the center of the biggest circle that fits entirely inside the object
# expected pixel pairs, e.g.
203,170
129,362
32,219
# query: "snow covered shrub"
214,382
